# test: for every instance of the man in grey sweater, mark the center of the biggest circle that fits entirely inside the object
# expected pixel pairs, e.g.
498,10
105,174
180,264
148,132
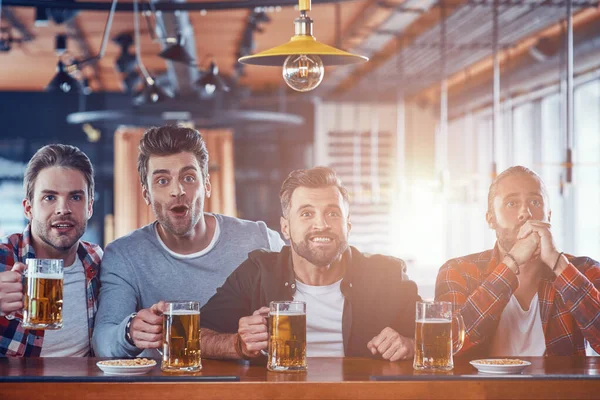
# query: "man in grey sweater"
184,255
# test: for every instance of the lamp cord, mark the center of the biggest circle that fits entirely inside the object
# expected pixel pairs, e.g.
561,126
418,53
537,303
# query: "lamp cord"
159,22
136,28
107,28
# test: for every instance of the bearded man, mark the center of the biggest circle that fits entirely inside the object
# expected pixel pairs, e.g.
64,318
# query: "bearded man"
357,305
524,297
185,254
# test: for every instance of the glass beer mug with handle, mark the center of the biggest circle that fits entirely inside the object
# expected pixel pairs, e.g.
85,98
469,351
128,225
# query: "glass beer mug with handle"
433,336
287,336
181,337
43,294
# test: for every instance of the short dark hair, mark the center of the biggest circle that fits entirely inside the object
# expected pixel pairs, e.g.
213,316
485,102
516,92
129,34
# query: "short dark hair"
58,155
316,177
514,170
167,140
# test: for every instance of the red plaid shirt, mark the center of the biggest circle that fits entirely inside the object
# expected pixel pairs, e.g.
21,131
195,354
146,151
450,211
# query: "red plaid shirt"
480,287
15,341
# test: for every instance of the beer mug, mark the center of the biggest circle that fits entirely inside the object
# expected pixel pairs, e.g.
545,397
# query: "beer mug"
287,336
433,336
181,337
43,294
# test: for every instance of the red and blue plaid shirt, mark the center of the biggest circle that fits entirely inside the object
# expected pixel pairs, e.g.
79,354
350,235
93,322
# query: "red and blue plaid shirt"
480,287
15,341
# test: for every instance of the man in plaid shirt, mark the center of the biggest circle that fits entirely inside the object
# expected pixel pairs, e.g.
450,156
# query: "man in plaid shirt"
59,186
524,297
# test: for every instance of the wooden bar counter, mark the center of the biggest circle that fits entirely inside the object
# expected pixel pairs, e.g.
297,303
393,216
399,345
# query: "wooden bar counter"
330,378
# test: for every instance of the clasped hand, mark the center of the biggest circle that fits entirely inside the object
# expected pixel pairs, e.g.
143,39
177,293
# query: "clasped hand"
535,240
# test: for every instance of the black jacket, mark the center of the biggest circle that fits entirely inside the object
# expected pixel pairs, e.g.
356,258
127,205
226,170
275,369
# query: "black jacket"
376,291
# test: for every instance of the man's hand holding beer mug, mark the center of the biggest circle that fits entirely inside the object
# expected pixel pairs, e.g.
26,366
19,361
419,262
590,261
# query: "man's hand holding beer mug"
391,345
280,329
11,290
253,334
145,329
40,299
173,328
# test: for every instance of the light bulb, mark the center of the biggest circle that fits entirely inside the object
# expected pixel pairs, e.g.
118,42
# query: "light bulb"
209,88
303,72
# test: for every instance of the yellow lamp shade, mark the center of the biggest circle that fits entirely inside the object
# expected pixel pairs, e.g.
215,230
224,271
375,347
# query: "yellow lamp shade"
302,44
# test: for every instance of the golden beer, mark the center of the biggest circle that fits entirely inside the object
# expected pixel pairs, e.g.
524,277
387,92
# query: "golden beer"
287,342
433,343
434,347
181,341
43,298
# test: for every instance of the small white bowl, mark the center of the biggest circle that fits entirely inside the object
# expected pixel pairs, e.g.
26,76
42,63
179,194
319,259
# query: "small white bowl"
488,368
125,369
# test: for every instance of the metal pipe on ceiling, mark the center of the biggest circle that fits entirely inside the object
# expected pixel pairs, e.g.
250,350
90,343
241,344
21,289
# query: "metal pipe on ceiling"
458,60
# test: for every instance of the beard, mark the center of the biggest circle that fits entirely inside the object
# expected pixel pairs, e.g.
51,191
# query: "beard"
318,256
506,238
63,242
177,226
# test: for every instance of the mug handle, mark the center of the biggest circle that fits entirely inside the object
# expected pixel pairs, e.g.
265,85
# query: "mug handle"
456,346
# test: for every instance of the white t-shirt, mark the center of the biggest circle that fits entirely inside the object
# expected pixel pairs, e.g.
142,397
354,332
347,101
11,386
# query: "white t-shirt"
519,332
324,308
73,339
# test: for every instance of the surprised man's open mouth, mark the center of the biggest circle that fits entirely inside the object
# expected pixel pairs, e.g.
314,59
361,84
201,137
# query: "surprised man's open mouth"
179,210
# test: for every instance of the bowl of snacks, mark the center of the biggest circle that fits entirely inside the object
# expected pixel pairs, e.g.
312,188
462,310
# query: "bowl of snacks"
500,365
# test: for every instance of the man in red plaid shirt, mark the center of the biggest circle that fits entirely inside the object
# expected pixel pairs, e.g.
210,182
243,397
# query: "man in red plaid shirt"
524,297
59,194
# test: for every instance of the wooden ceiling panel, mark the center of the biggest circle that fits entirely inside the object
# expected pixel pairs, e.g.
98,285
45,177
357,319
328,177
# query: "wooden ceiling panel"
31,65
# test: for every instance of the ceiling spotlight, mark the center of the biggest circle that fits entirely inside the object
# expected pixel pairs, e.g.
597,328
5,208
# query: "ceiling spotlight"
63,81
303,57
126,62
151,93
210,80
176,52
130,82
41,17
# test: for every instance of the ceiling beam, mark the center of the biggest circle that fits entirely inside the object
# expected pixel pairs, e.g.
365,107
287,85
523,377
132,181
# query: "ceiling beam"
422,24
162,6
480,72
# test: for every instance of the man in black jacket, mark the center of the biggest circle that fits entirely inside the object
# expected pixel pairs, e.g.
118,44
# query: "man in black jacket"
357,305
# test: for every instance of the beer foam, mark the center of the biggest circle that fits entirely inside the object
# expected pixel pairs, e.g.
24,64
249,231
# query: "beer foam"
41,275
434,321
182,312
288,313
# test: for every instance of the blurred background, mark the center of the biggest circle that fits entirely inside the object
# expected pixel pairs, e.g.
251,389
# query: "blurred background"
455,92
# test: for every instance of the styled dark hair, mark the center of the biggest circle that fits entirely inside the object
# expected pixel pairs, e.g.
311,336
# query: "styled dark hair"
514,170
58,155
316,177
167,140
